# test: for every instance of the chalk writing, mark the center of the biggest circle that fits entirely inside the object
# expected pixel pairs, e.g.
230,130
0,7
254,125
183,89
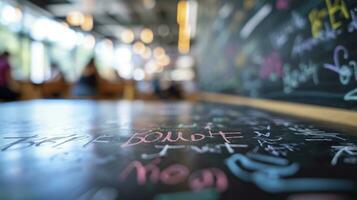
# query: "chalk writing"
270,174
337,7
171,137
336,11
352,26
314,134
36,141
207,148
272,67
316,20
302,45
293,78
176,174
346,72
349,150
351,95
280,37
271,144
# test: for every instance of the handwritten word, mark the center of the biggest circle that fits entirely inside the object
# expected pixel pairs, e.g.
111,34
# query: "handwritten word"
270,144
345,72
337,7
56,141
265,137
315,134
194,125
352,26
29,141
350,150
156,136
270,174
302,45
316,17
176,174
282,122
280,37
293,78
207,148
281,149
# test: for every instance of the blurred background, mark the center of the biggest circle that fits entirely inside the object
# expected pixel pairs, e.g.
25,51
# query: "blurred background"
103,49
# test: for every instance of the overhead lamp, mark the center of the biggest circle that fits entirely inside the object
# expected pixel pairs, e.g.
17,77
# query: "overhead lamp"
164,61
147,53
89,41
146,35
149,4
159,52
139,48
11,14
75,18
139,74
185,61
127,36
87,24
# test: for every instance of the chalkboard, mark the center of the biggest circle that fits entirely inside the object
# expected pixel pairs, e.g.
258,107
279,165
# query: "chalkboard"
124,150
290,50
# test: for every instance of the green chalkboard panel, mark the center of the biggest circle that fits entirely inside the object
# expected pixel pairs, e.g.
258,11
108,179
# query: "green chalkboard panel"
290,50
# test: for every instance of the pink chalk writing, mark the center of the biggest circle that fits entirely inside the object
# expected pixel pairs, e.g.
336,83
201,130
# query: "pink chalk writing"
171,137
272,67
211,177
176,174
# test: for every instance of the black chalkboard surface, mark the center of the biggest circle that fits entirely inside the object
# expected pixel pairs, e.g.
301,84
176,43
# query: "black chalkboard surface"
290,50
124,150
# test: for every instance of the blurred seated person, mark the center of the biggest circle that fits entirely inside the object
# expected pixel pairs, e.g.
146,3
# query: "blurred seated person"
174,91
156,84
166,89
56,86
56,74
87,84
6,93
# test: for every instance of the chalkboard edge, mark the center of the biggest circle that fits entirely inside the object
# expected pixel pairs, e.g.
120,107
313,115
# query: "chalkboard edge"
338,116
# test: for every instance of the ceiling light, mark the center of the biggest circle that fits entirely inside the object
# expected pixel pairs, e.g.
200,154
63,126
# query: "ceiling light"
147,53
146,35
87,24
159,52
149,4
127,36
139,48
75,18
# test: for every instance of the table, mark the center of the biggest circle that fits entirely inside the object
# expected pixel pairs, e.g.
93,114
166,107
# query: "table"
83,149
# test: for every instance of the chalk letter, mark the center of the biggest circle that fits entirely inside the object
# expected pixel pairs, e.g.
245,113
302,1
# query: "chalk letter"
174,174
